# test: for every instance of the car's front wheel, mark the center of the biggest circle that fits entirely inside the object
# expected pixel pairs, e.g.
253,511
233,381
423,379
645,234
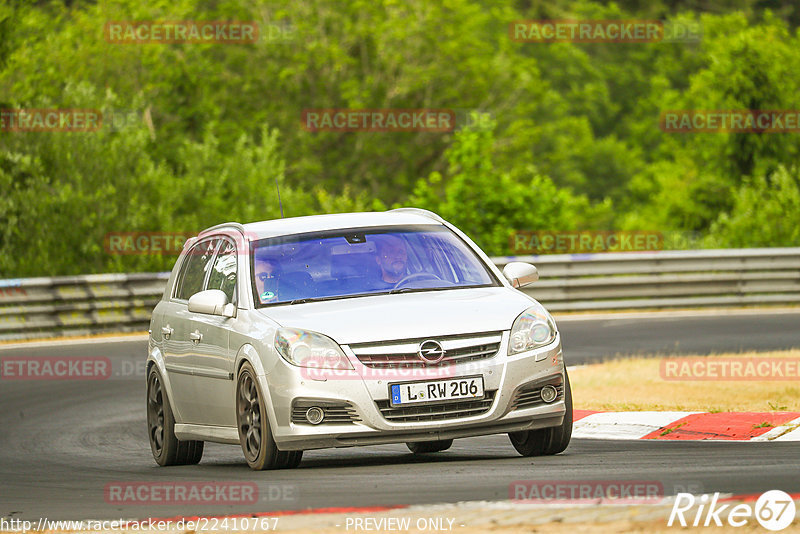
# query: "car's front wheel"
423,447
255,435
547,441
167,449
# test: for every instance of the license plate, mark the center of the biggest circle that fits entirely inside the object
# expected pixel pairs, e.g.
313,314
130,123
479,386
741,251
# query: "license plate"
436,390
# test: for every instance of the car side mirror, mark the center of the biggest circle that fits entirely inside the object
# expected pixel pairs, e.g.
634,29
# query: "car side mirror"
211,302
520,273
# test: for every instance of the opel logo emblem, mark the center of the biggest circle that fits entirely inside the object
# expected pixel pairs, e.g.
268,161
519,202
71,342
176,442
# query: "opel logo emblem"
430,352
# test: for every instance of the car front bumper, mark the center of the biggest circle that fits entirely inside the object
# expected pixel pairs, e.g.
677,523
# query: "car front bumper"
504,377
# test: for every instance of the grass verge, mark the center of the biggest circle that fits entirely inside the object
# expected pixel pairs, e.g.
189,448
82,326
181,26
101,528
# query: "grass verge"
638,383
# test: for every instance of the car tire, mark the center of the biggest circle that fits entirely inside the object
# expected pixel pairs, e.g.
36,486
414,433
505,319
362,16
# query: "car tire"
194,453
166,448
547,441
424,447
294,459
255,435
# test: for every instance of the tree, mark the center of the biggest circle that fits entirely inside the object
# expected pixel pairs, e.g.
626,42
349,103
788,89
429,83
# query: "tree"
765,213
489,205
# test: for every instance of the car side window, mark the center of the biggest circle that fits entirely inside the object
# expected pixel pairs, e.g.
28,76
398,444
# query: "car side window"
194,269
223,273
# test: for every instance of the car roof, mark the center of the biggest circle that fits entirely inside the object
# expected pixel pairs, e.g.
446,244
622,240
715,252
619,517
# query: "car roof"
313,223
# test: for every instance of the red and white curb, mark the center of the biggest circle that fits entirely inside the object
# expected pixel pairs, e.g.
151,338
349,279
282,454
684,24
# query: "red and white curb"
744,426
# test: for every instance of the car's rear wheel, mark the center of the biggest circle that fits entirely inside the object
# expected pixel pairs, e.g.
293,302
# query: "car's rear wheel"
166,448
423,447
547,441
255,435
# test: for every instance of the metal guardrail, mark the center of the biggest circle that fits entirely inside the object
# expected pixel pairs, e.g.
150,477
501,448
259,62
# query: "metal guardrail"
665,279
79,305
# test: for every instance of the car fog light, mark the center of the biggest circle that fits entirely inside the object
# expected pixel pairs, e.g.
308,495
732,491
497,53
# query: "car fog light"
315,415
549,394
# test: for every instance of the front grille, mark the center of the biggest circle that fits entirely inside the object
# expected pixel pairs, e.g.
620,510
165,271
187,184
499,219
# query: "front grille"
530,395
403,354
335,413
436,412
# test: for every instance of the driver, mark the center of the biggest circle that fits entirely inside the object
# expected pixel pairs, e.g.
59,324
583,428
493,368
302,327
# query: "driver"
267,272
392,258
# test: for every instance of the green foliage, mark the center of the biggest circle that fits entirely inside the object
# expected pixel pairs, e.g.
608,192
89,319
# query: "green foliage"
574,142
766,212
64,193
487,204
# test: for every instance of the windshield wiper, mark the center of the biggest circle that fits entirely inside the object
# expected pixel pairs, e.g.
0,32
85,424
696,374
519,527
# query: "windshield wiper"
319,299
408,290
312,299
439,288
420,289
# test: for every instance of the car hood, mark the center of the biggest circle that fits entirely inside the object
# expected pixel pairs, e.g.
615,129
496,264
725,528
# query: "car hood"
406,315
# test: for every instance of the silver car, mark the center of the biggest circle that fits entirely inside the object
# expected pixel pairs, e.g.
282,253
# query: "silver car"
350,329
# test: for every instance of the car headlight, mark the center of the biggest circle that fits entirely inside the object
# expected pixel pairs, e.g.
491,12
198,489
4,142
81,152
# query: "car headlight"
309,349
534,328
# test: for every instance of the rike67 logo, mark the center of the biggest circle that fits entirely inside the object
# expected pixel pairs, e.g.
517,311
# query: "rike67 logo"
774,510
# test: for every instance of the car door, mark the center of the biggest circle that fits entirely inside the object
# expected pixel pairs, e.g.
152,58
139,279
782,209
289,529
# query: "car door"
179,349
212,359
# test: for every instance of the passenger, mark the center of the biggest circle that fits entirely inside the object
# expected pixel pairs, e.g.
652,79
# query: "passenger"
267,273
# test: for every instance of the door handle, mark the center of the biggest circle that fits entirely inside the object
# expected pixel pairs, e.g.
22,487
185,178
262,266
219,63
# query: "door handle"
196,336
167,331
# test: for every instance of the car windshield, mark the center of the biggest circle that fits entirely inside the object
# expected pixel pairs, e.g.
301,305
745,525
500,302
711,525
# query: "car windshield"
363,261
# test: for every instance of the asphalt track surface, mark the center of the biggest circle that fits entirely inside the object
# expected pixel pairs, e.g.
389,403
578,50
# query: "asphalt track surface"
586,339
62,442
